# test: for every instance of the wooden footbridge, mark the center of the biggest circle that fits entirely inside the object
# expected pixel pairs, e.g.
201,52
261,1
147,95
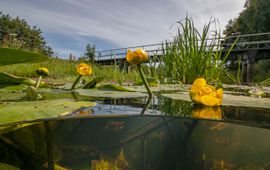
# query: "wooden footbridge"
250,48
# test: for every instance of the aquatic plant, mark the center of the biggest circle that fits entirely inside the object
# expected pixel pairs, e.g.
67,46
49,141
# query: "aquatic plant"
31,91
10,56
136,58
202,93
42,72
192,54
83,69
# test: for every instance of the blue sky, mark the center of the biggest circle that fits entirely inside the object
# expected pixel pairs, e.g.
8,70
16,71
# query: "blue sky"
68,25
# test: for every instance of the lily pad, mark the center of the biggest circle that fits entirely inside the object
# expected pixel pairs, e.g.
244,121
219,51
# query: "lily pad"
48,93
93,83
9,79
162,87
113,87
11,112
228,100
109,93
13,88
13,56
11,96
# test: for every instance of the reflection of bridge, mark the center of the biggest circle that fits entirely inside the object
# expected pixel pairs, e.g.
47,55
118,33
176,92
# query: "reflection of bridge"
250,48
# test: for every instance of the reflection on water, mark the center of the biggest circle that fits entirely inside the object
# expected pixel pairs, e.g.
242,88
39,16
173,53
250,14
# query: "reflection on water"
136,142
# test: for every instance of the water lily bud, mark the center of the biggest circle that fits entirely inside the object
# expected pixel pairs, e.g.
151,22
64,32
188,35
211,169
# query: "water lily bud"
84,69
42,71
136,57
202,93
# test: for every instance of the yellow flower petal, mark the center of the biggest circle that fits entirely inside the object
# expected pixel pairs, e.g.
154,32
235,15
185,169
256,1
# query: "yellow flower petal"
84,69
198,85
210,101
42,71
143,54
136,57
206,91
195,97
203,93
219,93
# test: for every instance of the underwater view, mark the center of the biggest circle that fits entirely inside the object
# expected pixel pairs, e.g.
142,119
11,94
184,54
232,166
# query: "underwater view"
135,85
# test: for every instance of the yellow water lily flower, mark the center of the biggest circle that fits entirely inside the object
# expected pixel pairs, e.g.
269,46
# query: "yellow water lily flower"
136,57
84,69
207,113
205,94
42,71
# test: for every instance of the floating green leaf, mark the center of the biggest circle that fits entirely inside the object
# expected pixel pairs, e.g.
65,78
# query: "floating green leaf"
13,88
9,79
6,78
11,96
93,82
109,93
31,110
113,87
229,100
162,87
13,56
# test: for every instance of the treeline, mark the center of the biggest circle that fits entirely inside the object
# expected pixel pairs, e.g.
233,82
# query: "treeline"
255,18
16,33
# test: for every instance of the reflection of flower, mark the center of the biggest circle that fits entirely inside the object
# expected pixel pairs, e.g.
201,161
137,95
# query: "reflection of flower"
136,57
203,93
207,113
84,69
42,71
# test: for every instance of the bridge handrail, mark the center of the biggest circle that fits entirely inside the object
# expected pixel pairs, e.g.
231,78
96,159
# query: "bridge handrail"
155,44
113,52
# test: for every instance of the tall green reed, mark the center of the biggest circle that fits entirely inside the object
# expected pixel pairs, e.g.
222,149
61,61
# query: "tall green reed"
192,54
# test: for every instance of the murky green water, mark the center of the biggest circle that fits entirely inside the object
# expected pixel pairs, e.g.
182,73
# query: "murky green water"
116,134
137,142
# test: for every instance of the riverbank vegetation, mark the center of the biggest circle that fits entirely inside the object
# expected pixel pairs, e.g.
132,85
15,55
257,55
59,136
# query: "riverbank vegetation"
17,33
63,71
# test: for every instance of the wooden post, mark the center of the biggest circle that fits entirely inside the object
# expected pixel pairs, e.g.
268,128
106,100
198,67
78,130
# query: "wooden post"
250,66
244,71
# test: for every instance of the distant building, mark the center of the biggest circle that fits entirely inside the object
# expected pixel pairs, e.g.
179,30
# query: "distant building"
72,57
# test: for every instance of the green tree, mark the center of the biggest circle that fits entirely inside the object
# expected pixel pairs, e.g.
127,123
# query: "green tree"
16,33
255,18
90,52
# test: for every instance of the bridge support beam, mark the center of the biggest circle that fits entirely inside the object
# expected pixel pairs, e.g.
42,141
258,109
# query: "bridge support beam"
248,62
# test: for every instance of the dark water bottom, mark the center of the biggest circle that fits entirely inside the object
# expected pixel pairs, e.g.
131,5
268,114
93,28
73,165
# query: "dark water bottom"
135,142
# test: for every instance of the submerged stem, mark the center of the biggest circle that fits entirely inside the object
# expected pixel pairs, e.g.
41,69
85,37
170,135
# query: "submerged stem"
144,81
76,82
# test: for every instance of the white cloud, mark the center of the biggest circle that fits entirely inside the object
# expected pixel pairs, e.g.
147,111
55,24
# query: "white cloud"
121,22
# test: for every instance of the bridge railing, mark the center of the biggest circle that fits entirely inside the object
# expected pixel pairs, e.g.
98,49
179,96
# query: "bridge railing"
244,42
